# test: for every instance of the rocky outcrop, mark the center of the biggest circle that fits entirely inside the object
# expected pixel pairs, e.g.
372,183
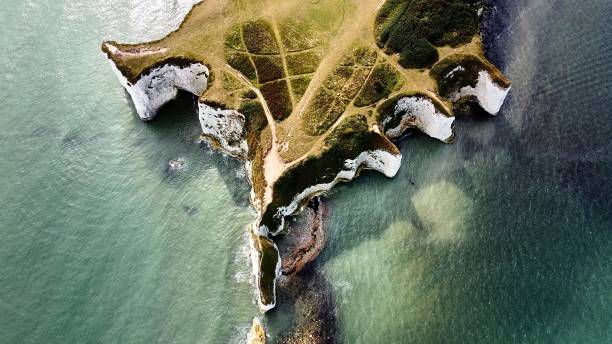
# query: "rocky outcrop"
314,319
489,94
160,84
224,127
257,334
266,263
304,238
420,112
381,161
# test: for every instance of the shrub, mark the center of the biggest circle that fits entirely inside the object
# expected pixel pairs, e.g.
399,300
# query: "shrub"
359,77
379,85
255,122
418,53
233,39
259,38
314,119
299,85
303,63
242,63
297,35
268,68
455,72
250,94
230,82
402,26
277,97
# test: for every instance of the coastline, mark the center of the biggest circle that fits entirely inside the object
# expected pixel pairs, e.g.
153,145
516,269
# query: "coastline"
350,142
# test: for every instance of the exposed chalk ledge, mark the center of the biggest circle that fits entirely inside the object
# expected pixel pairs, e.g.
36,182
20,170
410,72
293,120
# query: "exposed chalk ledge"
487,92
421,113
161,84
227,127
377,160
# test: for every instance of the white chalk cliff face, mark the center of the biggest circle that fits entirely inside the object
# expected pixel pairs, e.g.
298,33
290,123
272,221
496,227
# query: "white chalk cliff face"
226,127
421,113
377,160
487,92
161,84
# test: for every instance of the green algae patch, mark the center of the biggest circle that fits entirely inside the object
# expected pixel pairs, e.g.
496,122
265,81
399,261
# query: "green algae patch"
259,38
277,96
379,85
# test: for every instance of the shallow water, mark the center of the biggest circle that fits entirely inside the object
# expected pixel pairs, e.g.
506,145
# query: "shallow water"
100,243
502,237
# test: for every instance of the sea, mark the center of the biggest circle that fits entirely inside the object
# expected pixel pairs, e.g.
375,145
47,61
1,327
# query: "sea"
504,236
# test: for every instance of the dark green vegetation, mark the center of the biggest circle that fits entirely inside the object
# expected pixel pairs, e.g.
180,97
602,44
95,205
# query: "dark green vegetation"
267,268
388,119
299,85
411,27
230,82
339,89
303,63
233,39
259,38
418,53
242,63
268,68
255,122
349,139
457,71
379,85
276,94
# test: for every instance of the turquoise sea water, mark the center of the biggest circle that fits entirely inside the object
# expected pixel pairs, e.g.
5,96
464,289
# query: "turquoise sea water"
503,237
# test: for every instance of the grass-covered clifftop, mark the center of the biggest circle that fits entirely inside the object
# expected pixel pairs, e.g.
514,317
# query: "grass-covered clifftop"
318,85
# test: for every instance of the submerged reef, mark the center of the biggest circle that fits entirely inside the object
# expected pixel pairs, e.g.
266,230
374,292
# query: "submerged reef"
307,95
